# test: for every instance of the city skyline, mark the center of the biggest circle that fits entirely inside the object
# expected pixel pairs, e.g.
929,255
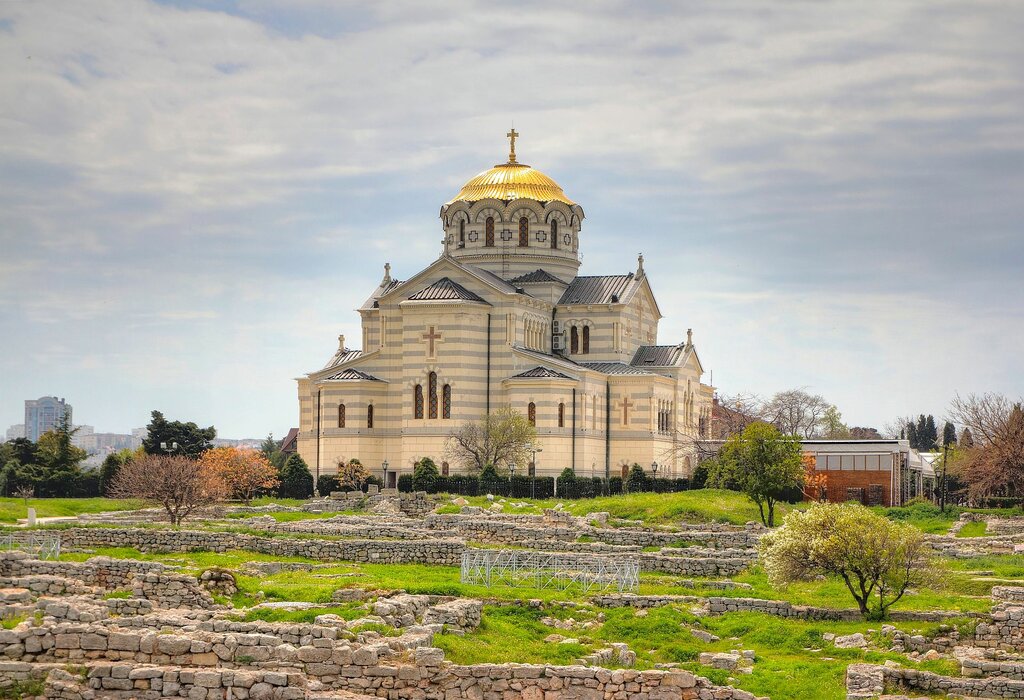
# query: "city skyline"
197,195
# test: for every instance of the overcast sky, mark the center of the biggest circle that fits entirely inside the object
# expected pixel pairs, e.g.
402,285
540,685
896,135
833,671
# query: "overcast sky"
195,196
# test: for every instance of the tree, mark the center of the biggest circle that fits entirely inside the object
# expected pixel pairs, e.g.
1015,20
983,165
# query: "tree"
984,415
912,435
22,450
896,429
763,463
192,440
796,412
731,413
244,471
425,475
948,434
877,559
351,475
59,460
296,479
815,482
271,449
863,433
927,434
112,464
637,481
502,438
178,484
995,465
832,426
966,439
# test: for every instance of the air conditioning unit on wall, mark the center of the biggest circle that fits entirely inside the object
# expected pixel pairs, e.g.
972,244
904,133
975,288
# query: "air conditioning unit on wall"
557,343
556,328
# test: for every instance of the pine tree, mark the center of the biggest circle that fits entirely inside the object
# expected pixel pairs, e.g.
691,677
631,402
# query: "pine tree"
296,481
912,435
949,434
930,438
966,439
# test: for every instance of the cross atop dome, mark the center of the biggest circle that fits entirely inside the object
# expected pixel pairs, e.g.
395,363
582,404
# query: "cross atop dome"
512,136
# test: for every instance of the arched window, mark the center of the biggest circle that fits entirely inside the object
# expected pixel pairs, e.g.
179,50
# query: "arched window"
369,416
446,401
432,395
554,233
586,339
524,232
561,415
489,232
418,401
462,233
574,340
444,468
341,415
531,413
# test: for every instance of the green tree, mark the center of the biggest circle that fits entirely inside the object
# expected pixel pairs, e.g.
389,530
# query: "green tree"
21,450
425,475
271,449
930,438
637,481
111,464
966,439
502,438
191,439
949,434
832,426
59,461
763,463
296,479
877,559
912,435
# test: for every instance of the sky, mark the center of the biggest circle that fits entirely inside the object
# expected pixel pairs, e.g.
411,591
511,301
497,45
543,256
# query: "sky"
194,196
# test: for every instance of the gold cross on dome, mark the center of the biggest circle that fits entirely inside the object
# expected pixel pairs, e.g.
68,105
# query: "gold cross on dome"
430,338
512,136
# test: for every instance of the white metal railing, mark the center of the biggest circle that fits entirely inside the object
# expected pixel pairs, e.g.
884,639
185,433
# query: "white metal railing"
43,546
520,568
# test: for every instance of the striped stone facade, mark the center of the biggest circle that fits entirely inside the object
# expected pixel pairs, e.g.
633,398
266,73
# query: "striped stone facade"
501,318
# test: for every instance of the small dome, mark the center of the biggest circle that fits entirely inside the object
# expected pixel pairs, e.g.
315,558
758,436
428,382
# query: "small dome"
508,181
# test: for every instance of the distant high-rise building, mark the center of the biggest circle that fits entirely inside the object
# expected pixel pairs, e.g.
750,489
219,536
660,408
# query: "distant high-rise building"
16,431
44,414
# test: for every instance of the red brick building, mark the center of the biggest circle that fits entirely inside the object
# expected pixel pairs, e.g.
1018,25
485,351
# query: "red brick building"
872,472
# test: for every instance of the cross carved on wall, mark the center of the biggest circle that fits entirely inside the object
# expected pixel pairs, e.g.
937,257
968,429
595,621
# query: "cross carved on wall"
626,404
430,337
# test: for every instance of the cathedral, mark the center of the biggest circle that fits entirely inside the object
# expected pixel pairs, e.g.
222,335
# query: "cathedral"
502,318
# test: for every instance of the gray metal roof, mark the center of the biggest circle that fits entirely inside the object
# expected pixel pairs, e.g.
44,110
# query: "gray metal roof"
380,291
613,368
540,373
490,276
535,277
445,290
343,356
602,289
657,355
352,375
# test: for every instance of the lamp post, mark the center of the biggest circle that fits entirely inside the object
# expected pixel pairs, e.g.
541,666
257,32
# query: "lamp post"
384,468
511,476
942,483
654,475
533,481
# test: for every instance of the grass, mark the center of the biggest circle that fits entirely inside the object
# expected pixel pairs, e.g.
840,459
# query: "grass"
929,518
13,509
703,506
973,529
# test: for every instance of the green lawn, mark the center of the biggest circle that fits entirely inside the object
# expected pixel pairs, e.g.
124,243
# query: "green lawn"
13,509
973,529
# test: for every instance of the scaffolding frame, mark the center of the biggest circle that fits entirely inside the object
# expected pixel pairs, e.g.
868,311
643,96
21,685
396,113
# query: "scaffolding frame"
522,568
42,546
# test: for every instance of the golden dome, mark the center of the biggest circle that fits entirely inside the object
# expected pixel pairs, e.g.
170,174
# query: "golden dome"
508,181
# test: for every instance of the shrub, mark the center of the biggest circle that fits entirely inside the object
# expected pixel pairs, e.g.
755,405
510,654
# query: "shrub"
296,481
372,480
614,486
405,483
327,483
425,475
637,480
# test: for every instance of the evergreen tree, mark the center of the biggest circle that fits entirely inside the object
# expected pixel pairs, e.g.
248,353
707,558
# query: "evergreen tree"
425,475
912,435
966,439
930,439
271,449
59,461
948,434
296,479
192,440
637,479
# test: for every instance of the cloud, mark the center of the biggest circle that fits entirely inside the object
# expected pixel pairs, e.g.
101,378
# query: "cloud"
182,184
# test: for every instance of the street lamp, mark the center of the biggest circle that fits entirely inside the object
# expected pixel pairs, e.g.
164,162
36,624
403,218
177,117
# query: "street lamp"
654,475
533,482
384,467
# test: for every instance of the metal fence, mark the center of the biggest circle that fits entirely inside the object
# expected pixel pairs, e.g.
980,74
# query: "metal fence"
42,546
520,568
